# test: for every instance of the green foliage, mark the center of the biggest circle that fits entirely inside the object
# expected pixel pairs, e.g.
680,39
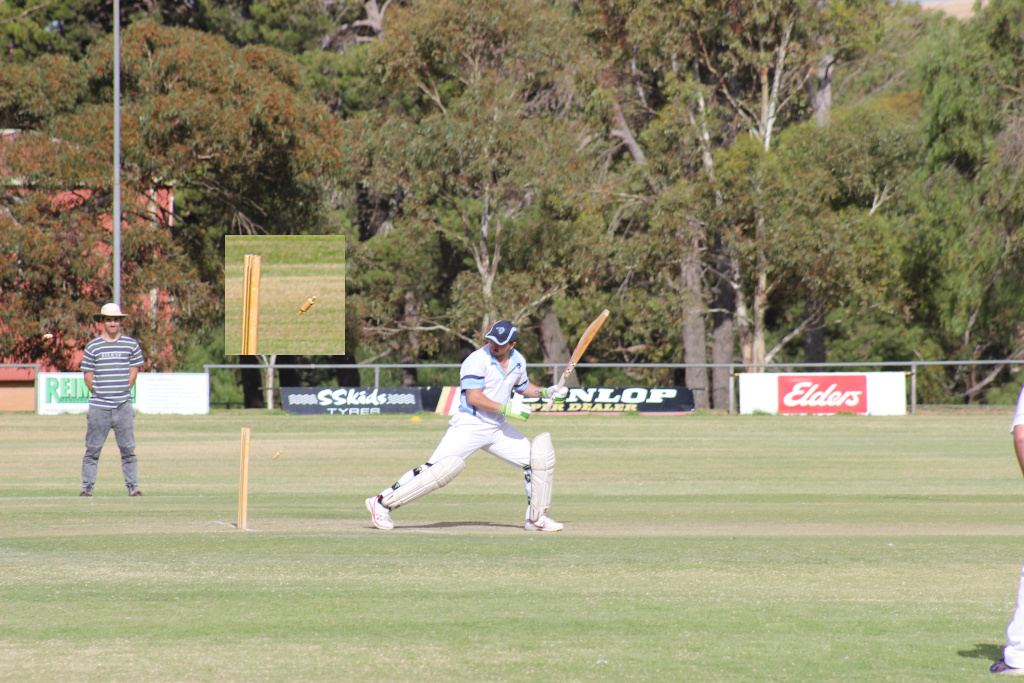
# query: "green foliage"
46,264
29,30
839,191
883,58
231,131
208,349
441,47
970,204
489,158
56,267
1007,394
477,158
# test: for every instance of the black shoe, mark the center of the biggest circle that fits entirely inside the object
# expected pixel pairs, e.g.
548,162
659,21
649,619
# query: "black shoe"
134,494
85,494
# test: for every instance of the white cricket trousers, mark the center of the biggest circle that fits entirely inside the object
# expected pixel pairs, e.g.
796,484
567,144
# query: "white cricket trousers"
502,441
1013,653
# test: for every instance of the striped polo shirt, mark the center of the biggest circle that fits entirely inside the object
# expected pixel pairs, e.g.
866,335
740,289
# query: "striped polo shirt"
110,362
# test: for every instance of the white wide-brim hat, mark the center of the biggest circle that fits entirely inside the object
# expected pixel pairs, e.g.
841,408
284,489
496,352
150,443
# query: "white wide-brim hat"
109,311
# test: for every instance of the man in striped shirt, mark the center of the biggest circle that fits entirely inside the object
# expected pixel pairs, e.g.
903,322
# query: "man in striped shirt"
110,365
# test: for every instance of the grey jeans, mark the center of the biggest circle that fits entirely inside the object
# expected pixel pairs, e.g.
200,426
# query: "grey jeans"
122,420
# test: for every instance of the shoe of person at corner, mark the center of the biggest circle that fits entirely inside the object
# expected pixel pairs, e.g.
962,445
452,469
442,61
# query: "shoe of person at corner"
379,514
85,494
1001,667
544,523
134,493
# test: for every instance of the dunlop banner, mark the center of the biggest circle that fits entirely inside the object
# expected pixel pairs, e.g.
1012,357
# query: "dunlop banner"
667,401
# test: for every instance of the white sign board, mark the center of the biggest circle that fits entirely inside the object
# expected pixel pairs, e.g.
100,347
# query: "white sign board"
865,393
173,393
154,393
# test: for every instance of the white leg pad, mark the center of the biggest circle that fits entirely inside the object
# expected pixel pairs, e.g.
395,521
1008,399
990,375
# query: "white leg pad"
542,475
421,480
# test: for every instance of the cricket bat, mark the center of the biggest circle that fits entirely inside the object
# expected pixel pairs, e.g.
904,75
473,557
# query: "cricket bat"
581,346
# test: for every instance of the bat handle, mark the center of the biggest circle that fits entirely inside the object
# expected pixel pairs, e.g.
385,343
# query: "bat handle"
565,376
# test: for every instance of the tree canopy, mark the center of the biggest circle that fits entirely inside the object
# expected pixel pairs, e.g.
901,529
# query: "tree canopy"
730,178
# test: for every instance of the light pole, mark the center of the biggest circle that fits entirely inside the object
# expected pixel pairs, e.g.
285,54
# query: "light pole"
117,152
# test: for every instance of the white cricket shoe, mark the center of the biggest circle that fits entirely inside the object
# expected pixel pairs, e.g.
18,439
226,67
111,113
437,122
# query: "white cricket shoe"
545,523
378,513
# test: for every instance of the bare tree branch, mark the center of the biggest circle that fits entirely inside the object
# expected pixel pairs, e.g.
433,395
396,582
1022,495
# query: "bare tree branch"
810,320
521,313
24,14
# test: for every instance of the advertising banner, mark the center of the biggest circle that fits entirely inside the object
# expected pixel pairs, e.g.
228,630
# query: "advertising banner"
154,393
64,392
667,401
865,393
351,400
173,393
446,400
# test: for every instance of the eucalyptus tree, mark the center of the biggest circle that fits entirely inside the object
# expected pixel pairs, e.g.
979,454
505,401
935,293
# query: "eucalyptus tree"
31,29
835,205
970,251
693,80
232,132
474,145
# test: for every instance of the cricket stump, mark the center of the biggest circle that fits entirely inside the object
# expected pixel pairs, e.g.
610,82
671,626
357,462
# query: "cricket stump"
251,303
243,481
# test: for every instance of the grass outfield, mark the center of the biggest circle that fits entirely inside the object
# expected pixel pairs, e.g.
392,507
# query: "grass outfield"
698,548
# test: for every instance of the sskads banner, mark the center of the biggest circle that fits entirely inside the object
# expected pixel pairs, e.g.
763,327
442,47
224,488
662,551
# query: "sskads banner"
351,400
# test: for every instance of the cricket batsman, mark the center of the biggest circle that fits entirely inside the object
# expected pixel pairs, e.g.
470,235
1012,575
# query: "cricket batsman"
1012,662
490,378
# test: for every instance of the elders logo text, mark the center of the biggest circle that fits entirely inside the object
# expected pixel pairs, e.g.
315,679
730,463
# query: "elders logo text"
823,394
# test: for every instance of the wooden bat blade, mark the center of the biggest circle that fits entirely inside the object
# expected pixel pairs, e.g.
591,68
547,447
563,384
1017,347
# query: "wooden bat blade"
581,346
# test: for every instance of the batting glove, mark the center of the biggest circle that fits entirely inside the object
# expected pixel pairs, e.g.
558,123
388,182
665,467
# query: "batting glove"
554,394
516,410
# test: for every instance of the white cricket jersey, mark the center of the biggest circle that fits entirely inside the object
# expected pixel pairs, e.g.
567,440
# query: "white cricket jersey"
481,370
1018,418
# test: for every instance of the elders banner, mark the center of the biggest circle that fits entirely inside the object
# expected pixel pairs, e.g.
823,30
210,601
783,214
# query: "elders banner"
866,393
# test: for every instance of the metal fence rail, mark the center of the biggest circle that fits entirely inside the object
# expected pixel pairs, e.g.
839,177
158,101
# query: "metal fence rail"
911,368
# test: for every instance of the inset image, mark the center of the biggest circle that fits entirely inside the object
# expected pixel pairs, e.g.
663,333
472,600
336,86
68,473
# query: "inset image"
284,295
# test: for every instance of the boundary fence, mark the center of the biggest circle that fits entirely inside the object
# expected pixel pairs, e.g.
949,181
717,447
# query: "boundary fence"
911,369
